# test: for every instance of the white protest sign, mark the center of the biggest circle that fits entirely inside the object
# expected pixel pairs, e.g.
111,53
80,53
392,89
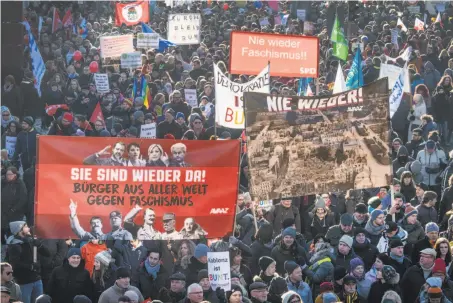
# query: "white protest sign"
10,145
392,72
191,96
184,29
414,9
440,7
148,131
219,270
114,46
131,60
102,83
301,13
148,40
229,109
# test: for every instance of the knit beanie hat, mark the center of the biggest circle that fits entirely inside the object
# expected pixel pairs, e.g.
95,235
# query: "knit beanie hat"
347,240
339,273
361,208
81,299
180,115
329,297
201,250
439,266
290,266
278,285
325,287
288,222
388,272
29,120
194,117
374,202
410,210
264,262
68,117
122,272
435,293
376,213
396,243
289,232
356,262
73,252
43,299
16,227
202,274
430,227
104,257
360,230
131,295
346,219
138,114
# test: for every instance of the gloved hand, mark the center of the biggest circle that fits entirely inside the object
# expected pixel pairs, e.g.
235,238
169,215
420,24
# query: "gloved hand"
35,267
220,293
164,295
412,118
233,241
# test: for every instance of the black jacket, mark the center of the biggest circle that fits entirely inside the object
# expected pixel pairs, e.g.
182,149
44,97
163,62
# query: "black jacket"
58,129
149,286
125,256
400,267
26,148
193,269
315,226
378,290
33,106
258,250
14,101
445,202
295,253
418,247
20,256
166,127
367,252
14,201
411,283
66,282
58,250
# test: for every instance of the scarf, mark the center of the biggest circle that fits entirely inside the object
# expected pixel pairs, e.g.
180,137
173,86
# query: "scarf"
8,88
152,270
11,118
397,258
427,271
350,298
359,221
374,230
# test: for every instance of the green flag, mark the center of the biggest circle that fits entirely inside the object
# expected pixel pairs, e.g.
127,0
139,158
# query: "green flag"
340,45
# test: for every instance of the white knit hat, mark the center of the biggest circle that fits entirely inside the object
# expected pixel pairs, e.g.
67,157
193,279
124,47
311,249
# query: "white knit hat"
104,257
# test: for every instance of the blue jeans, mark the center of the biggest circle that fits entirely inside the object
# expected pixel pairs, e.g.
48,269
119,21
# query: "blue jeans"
443,130
31,291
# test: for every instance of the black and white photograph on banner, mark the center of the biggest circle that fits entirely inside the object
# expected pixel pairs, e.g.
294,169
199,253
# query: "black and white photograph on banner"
304,145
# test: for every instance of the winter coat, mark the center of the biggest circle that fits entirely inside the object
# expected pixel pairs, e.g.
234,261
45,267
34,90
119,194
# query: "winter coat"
447,173
210,296
379,288
58,250
383,245
126,256
445,202
108,280
367,252
300,240
295,253
418,247
427,128
374,234
66,282
363,286
315,226
321,270
259,250
400,267
26,148
279,213
408,191
335,233
193,269
303,290
399,162
245,220
20,256
442,104
426,214
447,289
166,127
58,129
415,233
33,105
149,286
411,283
14,101
112,294
14,201
342,260
435,160
419,109
413,147
431,77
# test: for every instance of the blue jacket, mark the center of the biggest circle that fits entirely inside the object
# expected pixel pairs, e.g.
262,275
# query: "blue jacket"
26,147
304,291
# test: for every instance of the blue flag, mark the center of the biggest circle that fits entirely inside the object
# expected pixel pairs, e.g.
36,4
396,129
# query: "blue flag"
38,66
163,44
303,83
355,75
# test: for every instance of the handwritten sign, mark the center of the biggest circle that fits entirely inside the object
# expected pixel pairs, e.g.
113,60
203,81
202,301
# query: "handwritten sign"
191,96
184,29
301,14
131,60
102,83
10,145
114,46
148,40
148,131
219,270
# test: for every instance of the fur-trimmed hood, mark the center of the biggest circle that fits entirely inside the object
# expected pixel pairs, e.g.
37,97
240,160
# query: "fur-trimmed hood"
393,281
391,295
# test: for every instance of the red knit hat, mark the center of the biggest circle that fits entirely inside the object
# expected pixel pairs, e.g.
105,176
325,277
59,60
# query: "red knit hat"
68,117
128,102
439,266
325,287
169,136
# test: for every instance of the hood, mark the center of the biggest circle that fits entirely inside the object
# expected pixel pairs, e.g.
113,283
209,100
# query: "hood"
14,240
391,296
415,167
287,295
449,72
395,280
428,64
402,151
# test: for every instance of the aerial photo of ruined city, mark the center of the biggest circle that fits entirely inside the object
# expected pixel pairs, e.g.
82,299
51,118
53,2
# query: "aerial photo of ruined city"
316,151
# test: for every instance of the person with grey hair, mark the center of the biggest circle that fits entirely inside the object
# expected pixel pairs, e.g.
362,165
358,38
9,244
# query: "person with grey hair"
132,295
178,152
194,293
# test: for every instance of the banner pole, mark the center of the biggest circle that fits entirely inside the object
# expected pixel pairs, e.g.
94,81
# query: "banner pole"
317,86
392,202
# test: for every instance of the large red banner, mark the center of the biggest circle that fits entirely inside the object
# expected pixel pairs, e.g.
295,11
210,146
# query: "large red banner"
122,188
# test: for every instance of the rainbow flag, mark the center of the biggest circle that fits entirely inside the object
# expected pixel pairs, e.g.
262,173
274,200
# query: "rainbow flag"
141,90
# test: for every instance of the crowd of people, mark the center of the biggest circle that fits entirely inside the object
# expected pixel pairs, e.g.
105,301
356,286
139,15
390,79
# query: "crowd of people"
370,245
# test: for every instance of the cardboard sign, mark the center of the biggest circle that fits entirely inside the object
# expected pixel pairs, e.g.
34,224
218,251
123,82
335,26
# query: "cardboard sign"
219,271
148,131
131,60
184,29
301,14
147,40
191,96
289,55
10,145
114,46
102,83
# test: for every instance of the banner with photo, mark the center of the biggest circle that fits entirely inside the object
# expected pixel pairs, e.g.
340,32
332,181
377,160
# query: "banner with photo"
305,145
230,108
124,188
